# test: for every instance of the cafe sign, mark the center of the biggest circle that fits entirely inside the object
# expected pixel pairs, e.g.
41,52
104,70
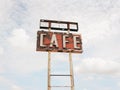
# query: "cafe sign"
59,42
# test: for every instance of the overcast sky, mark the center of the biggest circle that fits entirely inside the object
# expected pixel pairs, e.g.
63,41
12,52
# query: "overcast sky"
97,68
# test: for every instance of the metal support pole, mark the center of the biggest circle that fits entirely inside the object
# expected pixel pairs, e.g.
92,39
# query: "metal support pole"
71,65
71,71
68,27
49,64
49,70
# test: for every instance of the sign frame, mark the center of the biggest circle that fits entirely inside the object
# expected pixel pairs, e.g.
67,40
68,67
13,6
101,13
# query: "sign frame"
67,23
59,45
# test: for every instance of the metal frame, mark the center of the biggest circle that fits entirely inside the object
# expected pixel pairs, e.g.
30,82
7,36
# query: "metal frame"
71,75
58,22
61,49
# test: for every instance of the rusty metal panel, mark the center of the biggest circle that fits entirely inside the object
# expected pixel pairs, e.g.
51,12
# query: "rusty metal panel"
58,25
59,42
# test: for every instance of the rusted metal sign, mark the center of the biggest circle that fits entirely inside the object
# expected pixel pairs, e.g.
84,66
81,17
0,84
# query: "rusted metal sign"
59,42
58,25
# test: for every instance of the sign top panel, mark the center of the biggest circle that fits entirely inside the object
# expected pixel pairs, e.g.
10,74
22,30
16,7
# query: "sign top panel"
59,42
58,25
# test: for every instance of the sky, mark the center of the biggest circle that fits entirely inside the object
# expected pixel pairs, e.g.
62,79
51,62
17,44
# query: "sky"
97,68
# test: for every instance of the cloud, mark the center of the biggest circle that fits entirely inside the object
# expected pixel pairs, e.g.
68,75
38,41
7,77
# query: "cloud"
1,50
89,78
24,60
85,89
6,22
5,10
8,84
103,27
106,88
118,84
98,66
14,87
20,40
2,70
27,64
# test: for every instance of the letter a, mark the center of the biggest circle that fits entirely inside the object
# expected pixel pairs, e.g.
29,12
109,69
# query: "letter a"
53,41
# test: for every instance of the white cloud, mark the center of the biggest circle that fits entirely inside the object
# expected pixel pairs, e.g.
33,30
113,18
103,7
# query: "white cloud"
14,87
118,84
6,22
24,59
25,65
8,84
20,40
92,77
85,89
106,88
98,66
5,10
89,78
1,50
2,70
101,28
3,80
